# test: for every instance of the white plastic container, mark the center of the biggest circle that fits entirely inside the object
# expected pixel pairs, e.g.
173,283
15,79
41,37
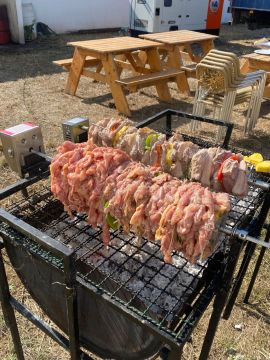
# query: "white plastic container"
29,18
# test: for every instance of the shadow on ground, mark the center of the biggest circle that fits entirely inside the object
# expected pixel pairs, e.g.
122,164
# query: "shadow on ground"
255,311
107,101
35,58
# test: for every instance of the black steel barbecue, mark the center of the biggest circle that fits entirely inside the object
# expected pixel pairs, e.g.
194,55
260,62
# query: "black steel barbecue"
123,302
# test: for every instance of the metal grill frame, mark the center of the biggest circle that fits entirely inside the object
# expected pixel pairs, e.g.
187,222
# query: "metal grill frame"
261,180
59,250
68,260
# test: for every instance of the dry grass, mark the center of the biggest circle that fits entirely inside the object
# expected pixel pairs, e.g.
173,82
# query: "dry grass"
32,90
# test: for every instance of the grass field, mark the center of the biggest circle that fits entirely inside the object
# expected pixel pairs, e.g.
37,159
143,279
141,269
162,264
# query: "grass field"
31,89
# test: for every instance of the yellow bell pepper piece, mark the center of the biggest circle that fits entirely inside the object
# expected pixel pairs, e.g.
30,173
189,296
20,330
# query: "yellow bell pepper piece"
169,155
263,166
255,158
119,134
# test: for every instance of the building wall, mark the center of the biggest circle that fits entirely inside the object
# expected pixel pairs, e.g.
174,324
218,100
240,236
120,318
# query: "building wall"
73,15
15,19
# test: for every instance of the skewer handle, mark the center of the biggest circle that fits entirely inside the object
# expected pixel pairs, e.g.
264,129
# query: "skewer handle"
259,184
243,235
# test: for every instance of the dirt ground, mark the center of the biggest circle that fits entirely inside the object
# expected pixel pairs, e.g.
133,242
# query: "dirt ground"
31,89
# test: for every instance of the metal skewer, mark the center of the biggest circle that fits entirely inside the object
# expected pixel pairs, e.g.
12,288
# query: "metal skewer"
244,236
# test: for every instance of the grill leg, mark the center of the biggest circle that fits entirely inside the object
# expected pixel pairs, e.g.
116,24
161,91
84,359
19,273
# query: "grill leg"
176,354
220,299
8,311
25,192
72,313
167,354
218,306
239,279
257,268
250,249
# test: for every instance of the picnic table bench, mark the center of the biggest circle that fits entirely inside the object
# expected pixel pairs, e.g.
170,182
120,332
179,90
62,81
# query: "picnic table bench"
66,63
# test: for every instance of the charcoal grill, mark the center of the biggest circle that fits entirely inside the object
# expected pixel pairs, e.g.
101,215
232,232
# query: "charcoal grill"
123,302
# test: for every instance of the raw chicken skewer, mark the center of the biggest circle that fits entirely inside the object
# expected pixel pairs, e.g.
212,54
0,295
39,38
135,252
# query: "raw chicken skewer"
115,191
219,169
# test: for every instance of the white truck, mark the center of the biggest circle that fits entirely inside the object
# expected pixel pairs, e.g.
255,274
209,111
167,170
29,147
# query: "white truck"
256,13
227,13
148,16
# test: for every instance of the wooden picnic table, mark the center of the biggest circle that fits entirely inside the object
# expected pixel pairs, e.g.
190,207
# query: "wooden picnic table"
178,46
111,56
254,62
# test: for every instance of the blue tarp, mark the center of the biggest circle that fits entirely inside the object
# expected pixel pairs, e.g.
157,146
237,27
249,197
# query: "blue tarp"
252,4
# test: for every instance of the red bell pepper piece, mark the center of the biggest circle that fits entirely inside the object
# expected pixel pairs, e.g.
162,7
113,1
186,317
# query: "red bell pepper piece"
220,173
159,154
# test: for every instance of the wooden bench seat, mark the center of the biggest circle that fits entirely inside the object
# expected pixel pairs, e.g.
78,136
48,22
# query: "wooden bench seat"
135,82
66,63
190,69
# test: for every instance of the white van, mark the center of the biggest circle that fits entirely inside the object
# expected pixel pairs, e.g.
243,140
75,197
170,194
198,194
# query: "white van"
148,16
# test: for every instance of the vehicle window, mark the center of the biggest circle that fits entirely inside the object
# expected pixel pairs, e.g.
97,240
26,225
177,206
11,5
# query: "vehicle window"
167,3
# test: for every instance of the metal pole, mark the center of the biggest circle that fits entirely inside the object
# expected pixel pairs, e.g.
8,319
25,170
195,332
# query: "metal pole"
72,311
166,353
220,299
257,268
168,123
25,193
176,354
227,136
8,310
1,296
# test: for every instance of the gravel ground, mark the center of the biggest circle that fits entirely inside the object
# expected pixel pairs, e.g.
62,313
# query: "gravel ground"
32,90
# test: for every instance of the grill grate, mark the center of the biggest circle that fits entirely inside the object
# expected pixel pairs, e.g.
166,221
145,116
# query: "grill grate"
133,274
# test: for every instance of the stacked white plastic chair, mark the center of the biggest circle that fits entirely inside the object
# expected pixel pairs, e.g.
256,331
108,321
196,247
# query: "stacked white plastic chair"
221,85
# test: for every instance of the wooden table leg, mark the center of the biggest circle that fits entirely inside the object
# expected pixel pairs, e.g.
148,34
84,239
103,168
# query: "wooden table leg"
207,45
153,60
120,57
245,68
112,74
99,68
134,66
188,49
142,56
174,61
75,72
266,93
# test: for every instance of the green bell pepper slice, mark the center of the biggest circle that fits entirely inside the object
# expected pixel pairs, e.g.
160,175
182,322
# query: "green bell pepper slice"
147,143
